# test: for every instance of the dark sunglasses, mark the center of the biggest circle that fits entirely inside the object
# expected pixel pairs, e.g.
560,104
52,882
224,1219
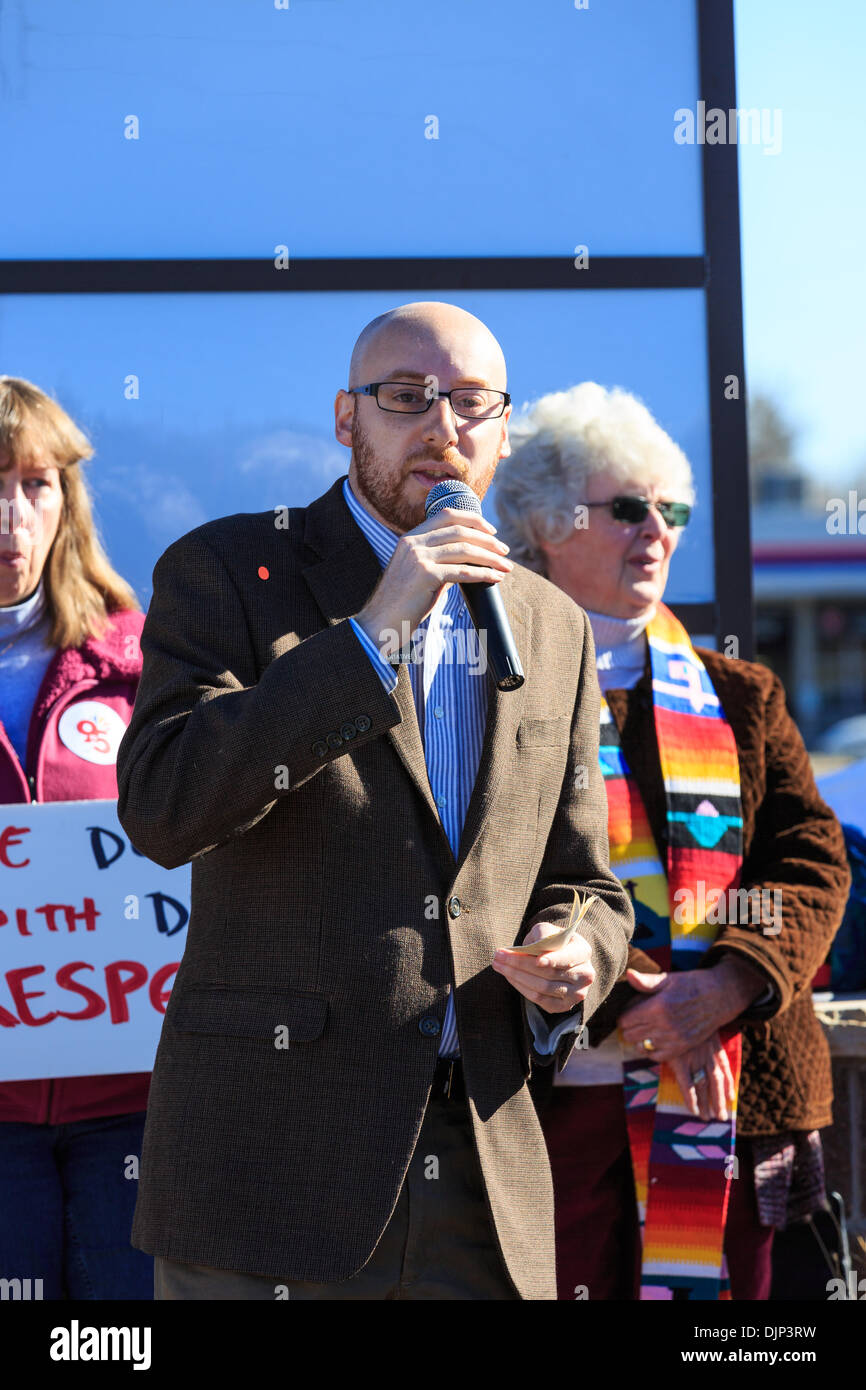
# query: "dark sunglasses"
633,509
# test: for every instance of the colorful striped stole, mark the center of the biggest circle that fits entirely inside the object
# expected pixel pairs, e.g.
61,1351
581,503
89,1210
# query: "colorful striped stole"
682,1165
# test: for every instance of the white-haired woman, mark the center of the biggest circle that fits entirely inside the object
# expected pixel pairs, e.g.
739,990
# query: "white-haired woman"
706,1063
69,636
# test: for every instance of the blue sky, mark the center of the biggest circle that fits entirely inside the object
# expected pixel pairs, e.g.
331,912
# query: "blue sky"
803,214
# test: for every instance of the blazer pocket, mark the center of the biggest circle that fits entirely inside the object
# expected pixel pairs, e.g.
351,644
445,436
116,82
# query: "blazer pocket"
538,732
240,1013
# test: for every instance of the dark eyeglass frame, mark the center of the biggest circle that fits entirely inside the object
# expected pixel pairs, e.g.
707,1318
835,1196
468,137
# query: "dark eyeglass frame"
372,389
631,510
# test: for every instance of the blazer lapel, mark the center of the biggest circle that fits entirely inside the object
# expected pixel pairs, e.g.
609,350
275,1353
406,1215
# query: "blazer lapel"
341,581
504,708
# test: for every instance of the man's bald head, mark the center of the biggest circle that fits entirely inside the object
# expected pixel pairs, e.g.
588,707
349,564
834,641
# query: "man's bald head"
421,336
398,455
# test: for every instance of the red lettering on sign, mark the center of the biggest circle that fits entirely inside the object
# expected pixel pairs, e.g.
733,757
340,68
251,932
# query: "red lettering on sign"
20,919
15,980
95,1005
87,915
158,995
117,989
122,978
12,836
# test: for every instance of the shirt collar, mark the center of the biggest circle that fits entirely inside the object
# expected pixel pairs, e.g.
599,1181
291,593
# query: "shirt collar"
25,614
383,541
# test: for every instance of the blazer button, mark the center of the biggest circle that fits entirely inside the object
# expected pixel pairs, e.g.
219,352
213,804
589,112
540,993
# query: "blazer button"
453,907
348,730
334,740
430,1026
320,748
362,723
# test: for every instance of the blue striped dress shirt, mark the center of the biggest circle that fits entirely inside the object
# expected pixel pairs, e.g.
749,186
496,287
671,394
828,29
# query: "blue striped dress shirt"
449,687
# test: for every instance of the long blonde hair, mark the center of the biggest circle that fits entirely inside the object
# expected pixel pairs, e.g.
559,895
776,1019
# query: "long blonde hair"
81,586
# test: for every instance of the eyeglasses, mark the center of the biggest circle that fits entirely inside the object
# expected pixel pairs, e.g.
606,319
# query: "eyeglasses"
410,398
633,509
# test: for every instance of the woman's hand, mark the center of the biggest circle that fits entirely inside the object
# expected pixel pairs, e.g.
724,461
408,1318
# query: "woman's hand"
681,1012
684,1009
705,1078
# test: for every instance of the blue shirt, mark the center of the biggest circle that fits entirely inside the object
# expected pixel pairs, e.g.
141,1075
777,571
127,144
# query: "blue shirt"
449,687
23,663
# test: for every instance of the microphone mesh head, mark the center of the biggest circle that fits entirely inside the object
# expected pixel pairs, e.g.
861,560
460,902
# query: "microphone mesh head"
451,492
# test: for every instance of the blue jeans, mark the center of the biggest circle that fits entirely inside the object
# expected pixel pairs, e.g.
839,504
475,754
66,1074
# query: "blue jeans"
66,1208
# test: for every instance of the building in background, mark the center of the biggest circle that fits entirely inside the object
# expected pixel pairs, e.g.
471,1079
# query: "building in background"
810,616
809,572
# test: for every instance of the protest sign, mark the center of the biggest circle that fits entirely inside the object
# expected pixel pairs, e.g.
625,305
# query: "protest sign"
91,935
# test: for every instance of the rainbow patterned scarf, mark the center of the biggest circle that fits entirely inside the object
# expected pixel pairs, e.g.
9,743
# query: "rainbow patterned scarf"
682,1165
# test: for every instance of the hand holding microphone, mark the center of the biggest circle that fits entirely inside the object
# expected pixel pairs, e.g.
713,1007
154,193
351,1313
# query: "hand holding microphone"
483,599
451,546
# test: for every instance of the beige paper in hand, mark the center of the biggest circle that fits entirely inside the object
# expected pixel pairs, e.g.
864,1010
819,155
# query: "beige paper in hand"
560,938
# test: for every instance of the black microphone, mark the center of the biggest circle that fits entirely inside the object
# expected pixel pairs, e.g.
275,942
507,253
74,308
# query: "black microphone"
483,600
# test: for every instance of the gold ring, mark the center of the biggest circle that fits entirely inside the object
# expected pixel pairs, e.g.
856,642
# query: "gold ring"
647,1045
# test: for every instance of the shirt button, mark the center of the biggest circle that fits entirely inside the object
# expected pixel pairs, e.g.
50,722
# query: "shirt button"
362,723
453,907
430,1026
439,711
348,730
320,748
334,740
441,801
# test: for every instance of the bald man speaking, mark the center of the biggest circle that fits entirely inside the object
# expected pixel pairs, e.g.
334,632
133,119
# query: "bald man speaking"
340,1105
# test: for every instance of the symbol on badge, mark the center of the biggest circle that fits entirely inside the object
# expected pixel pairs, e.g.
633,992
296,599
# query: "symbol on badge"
91,730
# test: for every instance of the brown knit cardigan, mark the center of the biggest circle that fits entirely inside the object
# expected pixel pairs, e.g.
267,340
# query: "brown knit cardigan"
791,841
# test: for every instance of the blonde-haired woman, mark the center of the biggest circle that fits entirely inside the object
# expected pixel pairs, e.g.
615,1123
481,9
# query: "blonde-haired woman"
706,1063
69,634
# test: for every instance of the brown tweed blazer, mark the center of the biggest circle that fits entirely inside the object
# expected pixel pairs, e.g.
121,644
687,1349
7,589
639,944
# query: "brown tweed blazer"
326,901
792,842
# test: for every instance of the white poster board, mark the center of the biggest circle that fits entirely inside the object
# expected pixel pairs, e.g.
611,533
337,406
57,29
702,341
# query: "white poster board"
91,935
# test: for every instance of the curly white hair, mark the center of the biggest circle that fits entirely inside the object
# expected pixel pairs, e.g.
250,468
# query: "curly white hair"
562,439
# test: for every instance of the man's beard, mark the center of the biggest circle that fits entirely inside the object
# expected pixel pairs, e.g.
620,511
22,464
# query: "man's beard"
385,492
